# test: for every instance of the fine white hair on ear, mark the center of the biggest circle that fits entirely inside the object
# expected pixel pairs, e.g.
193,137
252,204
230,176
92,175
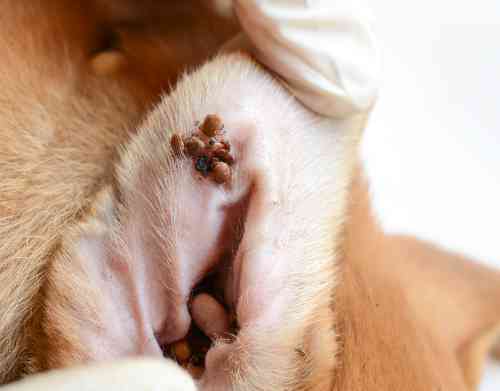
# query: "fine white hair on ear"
131,375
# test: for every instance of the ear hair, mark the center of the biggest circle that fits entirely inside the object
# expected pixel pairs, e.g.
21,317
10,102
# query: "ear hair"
69,301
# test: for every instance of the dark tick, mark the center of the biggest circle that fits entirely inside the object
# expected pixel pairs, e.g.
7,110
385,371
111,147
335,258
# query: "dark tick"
202,165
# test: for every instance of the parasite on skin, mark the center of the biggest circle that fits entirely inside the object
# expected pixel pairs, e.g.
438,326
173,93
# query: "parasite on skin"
224,156
211,321
209,150
195,371
210,316
181,351
221,173
177,144
203,165
194,146
212,125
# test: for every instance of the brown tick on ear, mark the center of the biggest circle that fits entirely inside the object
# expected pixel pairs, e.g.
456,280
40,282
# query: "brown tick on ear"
212,125
177,144
208,149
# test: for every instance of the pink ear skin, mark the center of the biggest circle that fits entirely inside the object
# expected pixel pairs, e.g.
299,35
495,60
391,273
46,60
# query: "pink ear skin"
265,236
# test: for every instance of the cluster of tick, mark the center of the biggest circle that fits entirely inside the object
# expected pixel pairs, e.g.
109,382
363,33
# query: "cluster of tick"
210,151
190,352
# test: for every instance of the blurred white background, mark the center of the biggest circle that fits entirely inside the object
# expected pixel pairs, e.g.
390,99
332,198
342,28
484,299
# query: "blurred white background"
432,148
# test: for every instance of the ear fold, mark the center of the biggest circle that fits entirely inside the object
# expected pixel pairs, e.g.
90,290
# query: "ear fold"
69,296
457,297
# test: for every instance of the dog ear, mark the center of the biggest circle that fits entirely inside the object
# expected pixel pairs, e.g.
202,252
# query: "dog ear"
69,295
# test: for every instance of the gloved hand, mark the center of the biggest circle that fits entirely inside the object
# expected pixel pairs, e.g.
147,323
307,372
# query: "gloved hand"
323,50
131,375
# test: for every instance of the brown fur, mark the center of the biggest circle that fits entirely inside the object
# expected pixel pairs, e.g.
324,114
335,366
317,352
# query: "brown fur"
60,125
412,316
409,315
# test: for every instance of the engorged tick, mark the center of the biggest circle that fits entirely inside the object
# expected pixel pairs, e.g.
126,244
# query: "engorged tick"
208,148
202,165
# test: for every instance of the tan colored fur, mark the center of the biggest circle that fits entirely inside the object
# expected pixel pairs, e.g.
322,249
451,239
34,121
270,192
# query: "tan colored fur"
60,124
412,316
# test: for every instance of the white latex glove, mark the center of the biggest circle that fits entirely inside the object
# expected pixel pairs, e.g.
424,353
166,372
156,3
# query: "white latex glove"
323,50
132,375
